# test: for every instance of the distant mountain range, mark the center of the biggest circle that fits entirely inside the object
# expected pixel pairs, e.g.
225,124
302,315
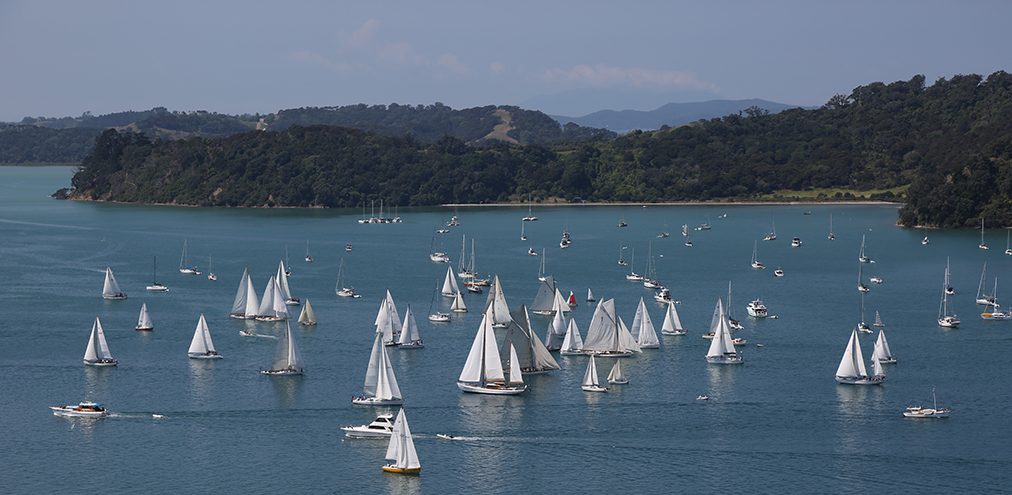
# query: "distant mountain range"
671,115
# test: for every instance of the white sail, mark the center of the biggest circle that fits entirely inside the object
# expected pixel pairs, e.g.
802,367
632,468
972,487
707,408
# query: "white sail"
239,306
603,332
267,303
560,303
852,363
252,300
556,332
380,381
395,319
616,374
876,368
544,302
282,279
590,296
482,365
532,354
721,343
409,332
388,323
280,308
97,349
573,341
643,328
110,290
401,450
590,377
307,317
201,343
881,351
516,376
450,284
626,341
495,306
287,356
144,319
458,304
672,325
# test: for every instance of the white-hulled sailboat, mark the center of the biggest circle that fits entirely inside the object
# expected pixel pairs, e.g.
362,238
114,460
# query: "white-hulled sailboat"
201,347
272,305
434,313
556,332
572,344
210,273
496,308
184,263
458,305
608,335
282,279
144,319
672,325
341,289
755,260
590,380
721,349
616,376
155,286
307,317
287,358
533,356
111,289
643,328
982,298
246,299
881,351
852,370
409,338
380,383
97,353
450,288
544,302
590,296
401,450
388,322
944,319
482,373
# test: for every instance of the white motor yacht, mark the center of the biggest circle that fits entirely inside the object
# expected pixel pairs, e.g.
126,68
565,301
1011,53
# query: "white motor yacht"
756,309
381,427
84,409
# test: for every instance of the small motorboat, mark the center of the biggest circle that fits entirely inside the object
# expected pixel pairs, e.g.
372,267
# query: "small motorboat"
444,436
925,412
439,317
381,427
876,280
531,251
84,409
778,273
702,397
796,242
738,341
348,248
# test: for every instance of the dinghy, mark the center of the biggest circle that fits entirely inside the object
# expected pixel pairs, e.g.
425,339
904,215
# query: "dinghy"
380,383
111,289
590,381
201,346
97,353
144,319
287,358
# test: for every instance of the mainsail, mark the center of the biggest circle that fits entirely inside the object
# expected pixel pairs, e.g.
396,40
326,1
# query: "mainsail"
110,290
287,356
643,328
544,302
532,354
201,343
495,306
483,365
852,363
307,317
380,381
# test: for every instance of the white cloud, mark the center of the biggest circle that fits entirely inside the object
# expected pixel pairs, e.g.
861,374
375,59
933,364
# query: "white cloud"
497,67
603,76
360,37
453,62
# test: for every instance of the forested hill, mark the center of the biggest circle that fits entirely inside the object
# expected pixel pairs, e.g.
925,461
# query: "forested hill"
949,142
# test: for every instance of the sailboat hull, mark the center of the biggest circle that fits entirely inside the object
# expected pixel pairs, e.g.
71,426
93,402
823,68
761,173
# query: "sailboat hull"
724,360
114,296
281,372
375,401
391,469
204,355
850,380
491,389
594,388
111,362
144,329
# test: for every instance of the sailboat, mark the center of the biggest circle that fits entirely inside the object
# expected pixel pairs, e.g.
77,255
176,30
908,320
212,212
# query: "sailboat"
380,383
616,376
721,349
863,327
496,308
572,344
409,338
643,329
401,450
437,256
635,277
944,319
272,305
434,313
924,412
982,244
155,286
881,352
705,226
542,272
608,335
307,317
210,273
590,381
772,236
388,322
544,301
556,332
532,355
672,325
342,289
571,300
620,260
97,353
111,289
523,236
852,370
458,305
982,298
685,230
1008,249
878,320
530,216
861,256
735,324
246,300
995,313
287,358
650,281
286,294
590,296
201,346
755,260
482,373
622,223
184,263
450,288
144,319
925,241
309,259
833,237
860,279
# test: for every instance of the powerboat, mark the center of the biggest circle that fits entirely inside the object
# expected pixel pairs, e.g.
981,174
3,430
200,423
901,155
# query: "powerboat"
84,409
756,309
796,242
381,427
778,273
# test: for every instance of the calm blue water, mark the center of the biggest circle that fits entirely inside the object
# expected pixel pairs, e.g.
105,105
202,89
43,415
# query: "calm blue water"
779,423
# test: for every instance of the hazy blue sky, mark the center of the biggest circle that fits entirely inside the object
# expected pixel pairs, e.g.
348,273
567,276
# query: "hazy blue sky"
61,58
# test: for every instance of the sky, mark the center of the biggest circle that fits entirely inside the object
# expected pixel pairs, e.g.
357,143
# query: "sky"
65,58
